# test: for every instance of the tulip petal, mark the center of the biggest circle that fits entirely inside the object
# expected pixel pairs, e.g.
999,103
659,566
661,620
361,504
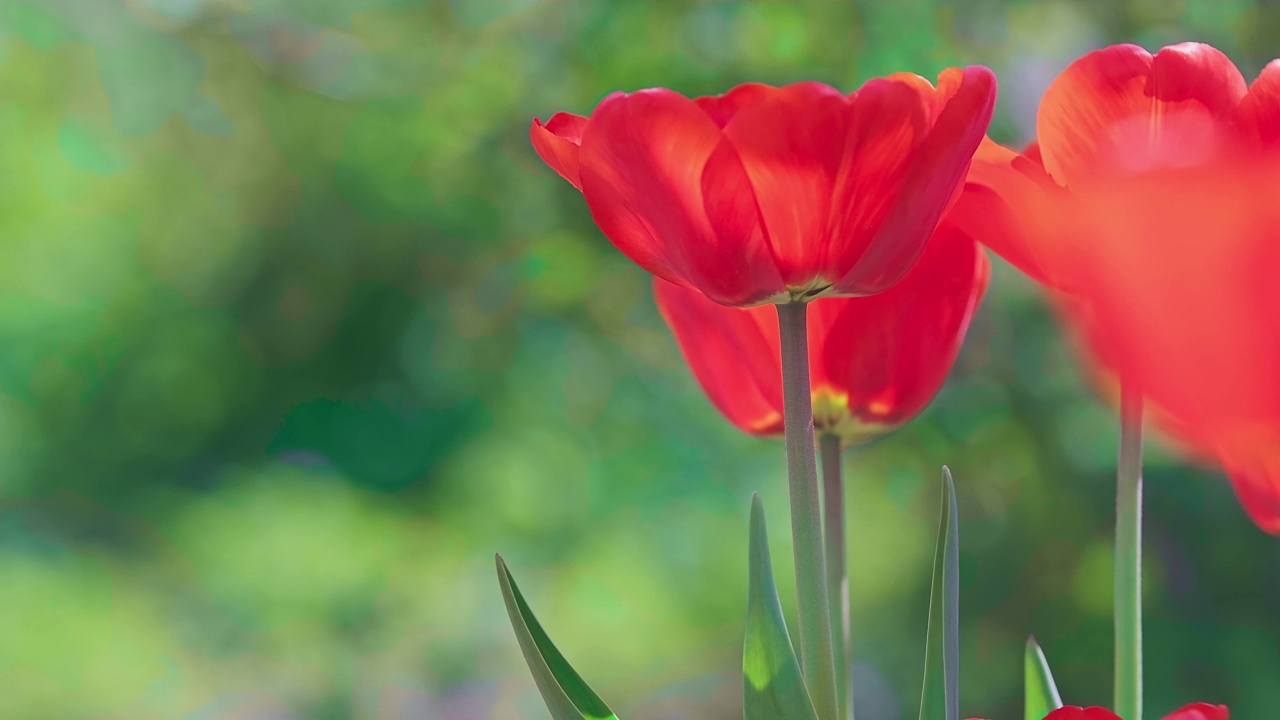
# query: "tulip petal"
1005,193
1121,97
888,121
648,159
791,140
733,354
1258,117
722,108
1199,72
1254,471
890,353
909,206
1199,711
557,143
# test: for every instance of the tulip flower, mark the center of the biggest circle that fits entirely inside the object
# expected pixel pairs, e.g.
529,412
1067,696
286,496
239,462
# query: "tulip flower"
875,361
1117,112
779,195
774,194
1182,302
1106,127
1196,711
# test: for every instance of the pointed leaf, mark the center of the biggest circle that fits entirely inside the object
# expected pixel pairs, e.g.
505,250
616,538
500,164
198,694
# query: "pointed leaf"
1041,692
567,695
772,686
940,697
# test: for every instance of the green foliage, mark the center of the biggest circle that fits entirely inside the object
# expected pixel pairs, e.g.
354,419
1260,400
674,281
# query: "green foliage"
772,685
1041,694
567,695
940,696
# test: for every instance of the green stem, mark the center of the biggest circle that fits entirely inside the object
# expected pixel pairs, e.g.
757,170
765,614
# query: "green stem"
816,656
833,511
1128,578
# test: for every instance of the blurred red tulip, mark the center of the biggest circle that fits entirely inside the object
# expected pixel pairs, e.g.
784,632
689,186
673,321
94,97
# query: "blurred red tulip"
1197,711
875,361
1148,198
768,194
1181,299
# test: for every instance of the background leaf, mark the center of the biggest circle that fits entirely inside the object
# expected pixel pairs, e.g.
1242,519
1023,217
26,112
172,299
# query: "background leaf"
772,686
1041,692
567,695
940,696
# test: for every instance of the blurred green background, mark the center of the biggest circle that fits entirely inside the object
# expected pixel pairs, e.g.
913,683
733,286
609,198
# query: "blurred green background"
296,331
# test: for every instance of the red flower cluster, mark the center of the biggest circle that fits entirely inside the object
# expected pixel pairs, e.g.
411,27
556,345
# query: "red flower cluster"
1150,200
769,194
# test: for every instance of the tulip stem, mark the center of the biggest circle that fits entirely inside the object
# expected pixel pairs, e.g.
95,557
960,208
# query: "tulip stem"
1128,569
837,570
816,655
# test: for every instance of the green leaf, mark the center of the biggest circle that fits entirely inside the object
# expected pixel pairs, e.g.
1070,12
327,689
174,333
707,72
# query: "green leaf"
567,695
1041,692
940,697
772,686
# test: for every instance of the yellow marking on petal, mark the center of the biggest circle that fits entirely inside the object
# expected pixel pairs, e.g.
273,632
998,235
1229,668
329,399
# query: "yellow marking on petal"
879,407
759,425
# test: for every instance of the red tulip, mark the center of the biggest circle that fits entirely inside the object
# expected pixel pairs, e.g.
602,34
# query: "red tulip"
875,361
1196,711
1182,301
768,194
1117,110
1136,202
